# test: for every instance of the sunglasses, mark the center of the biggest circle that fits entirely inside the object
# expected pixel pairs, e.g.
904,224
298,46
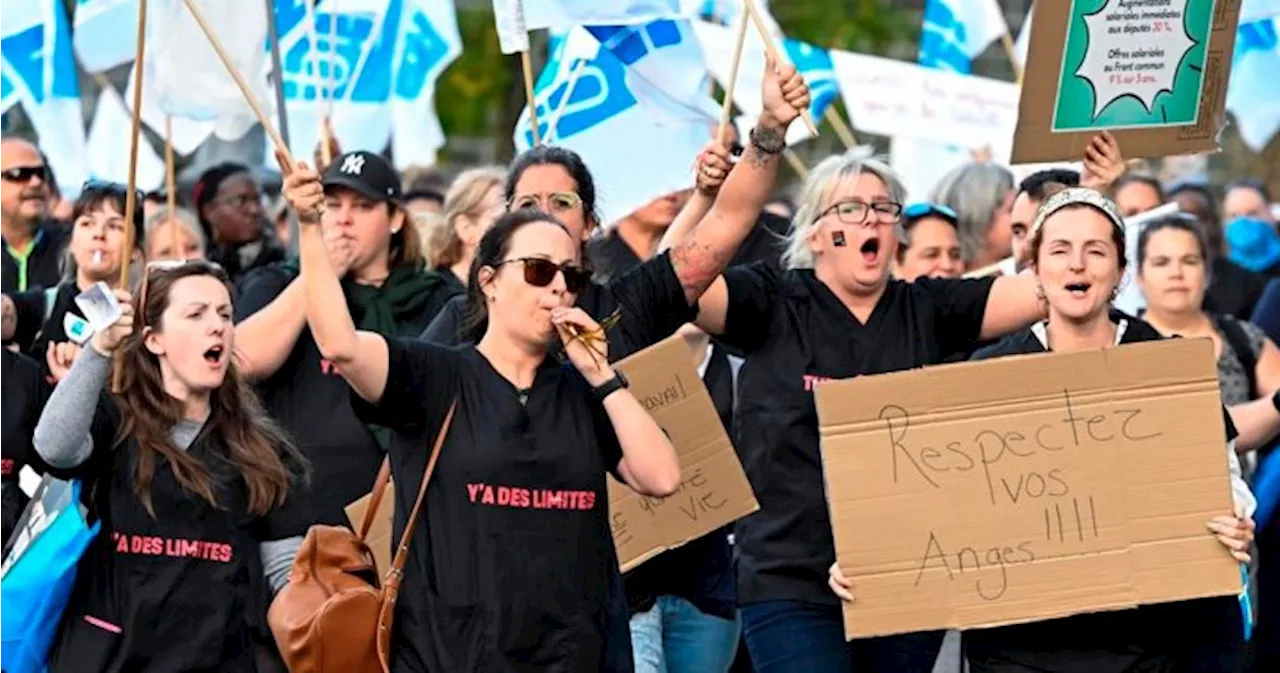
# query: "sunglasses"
916,211
539,272
23,174
555,202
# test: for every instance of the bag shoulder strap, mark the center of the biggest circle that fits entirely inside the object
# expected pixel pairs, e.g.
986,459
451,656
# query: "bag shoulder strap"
391,584
1239,340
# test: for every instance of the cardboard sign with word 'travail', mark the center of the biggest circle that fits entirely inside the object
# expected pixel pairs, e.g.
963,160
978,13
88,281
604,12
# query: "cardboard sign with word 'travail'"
713,491
1154,72
1029,487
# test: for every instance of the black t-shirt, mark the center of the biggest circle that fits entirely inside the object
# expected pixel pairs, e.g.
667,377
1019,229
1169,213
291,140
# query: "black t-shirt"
649,299
610,256
310,399
794,332
25,392
1233,290
1150,637
177,592
510,571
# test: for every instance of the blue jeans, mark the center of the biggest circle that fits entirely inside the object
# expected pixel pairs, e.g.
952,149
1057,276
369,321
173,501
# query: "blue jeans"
676,637
796,637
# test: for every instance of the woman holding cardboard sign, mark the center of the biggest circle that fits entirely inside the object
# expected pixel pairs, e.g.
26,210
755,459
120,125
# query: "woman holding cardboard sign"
1077,254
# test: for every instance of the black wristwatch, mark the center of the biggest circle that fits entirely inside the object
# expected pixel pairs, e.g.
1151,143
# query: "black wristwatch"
613,385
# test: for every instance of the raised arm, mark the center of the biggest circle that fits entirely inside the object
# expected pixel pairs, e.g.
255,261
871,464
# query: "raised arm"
702,254
712,168
265,338
361,357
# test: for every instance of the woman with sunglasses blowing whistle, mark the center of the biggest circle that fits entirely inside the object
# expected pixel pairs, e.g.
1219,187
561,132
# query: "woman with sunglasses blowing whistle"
196,489
509,568
1077,252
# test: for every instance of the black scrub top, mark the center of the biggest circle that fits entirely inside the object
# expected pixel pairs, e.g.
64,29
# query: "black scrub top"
311,400
649,299
1203,634
24,394
177,592
794,332
509,568
34,332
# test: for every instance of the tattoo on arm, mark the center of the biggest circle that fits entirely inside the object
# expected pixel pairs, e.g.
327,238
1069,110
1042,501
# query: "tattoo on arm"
697,265
767,137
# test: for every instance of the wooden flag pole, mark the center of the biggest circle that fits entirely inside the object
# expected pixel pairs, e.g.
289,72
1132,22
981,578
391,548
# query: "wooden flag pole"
1006,41
171,191
842,129
776,55
796,164
277,70
131,191
526,64
727,108
267,126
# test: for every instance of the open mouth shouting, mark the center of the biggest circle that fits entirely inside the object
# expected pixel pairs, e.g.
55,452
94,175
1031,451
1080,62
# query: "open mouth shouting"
215,355
870,250
1077,290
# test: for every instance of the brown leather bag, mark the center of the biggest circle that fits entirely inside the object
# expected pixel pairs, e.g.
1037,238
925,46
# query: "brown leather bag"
331,617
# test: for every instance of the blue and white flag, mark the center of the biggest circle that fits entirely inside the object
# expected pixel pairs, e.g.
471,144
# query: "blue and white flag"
814,63
664,63
568,13
105,34
39,72
376,75
429,42
956,31
1253,96
353,73
589,101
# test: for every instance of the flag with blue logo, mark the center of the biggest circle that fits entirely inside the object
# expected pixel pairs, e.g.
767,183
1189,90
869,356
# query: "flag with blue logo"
40,73
568,13
956,31
429,42
814,63
105,33
638,141
376,74
1253,96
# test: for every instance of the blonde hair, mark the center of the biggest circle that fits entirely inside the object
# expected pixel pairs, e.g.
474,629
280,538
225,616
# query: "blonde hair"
185,218
465,197
822,179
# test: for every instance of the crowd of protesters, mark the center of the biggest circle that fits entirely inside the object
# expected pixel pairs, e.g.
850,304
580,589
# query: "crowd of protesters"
262,390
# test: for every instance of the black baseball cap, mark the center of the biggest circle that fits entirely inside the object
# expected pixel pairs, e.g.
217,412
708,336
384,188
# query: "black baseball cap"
366,173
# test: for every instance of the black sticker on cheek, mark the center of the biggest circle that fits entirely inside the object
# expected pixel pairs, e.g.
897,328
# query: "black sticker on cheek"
837,239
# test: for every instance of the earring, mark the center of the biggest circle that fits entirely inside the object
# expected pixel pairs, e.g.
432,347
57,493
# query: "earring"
1040,293
491,298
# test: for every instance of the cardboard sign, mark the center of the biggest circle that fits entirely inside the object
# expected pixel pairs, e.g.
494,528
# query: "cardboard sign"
379,537
1027,488
1154,73
714,490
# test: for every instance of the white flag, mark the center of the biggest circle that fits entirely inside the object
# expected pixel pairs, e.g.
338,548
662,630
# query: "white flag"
110,136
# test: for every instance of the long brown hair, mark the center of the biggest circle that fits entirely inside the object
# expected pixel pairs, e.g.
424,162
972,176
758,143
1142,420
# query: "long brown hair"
253,443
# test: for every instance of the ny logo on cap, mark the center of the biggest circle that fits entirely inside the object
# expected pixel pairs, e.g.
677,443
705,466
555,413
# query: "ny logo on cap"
353,164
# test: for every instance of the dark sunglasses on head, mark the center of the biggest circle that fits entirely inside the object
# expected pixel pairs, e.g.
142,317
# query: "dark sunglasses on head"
539,272
25,173
916,211
109,187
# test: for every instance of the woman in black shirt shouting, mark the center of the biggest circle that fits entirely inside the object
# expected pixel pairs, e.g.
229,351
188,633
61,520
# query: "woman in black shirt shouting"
508,569
196,489
834,313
